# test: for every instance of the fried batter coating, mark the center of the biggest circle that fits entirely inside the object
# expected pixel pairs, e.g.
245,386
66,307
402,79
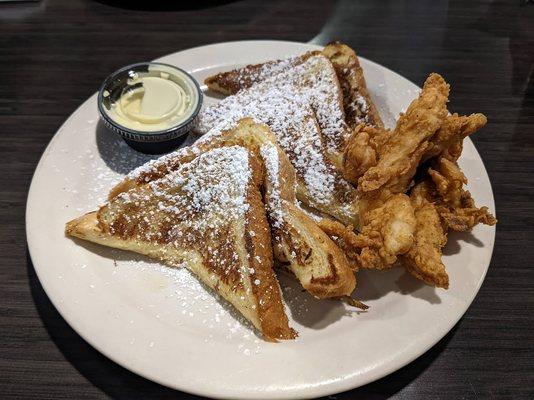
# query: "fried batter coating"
399,157
441,203
391,225
383,164
455,204
362,151
387,231
423,260
350,242
447,141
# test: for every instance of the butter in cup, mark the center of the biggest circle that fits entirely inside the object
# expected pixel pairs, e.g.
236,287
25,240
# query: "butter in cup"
151,105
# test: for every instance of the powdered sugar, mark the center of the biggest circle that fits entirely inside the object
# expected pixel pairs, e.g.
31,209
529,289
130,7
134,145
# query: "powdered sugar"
302,108
313,82
208,191
361,109
271,161
166,163
256,73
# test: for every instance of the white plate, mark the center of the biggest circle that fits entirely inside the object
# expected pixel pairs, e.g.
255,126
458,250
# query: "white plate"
163,325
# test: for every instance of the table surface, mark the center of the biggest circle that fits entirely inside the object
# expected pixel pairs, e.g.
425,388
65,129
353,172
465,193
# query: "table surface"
54,54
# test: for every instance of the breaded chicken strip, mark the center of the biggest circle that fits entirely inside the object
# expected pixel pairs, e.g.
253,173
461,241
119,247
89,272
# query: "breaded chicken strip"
369,144
441,204
383,164
363,150
387,231
423,260
390,223
400,155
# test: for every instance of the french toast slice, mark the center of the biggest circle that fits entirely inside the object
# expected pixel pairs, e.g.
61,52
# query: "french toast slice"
303,108
312,83
208,216
357,103
320,265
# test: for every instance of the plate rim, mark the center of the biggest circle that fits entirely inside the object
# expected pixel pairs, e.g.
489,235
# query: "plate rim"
337,386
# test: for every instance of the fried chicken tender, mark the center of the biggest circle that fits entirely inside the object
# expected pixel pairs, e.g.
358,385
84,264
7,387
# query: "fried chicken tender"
390,224
387,231
441,204
399,156
423,260
383,163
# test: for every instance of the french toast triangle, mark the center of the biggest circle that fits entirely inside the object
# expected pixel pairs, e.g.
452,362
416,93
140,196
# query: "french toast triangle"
207,215
317,262
303,108
357,103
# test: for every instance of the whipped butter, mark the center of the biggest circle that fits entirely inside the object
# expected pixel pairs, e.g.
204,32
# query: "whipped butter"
153,101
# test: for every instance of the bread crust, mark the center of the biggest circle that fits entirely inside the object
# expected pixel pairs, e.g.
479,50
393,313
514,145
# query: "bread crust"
357,102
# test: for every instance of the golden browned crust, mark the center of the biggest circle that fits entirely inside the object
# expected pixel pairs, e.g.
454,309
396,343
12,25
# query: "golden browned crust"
402,152
273,319
441,204
303,130
387,233
238,135
384,163
455,204
357,103
319,264
423,260
377,160
343,203
325,271
447,142
390,223
362,151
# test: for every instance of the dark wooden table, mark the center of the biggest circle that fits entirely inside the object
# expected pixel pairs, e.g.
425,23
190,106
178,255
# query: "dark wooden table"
54,54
